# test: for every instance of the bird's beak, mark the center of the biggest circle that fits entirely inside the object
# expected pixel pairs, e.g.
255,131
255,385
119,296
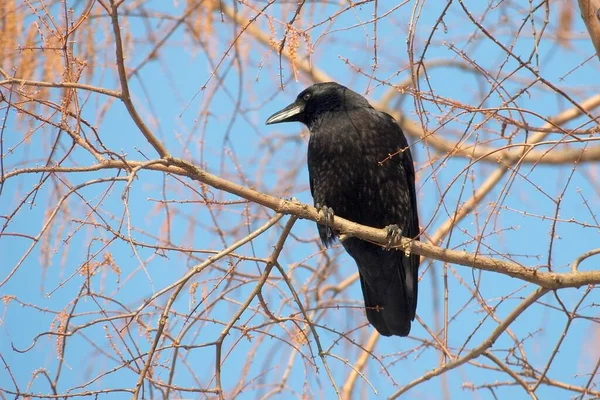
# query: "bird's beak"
293,112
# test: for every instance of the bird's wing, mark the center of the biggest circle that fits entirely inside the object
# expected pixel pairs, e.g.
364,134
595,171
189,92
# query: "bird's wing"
327,235
409,172
410,273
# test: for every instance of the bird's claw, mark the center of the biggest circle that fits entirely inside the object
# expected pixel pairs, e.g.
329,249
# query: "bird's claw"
328,216
393,234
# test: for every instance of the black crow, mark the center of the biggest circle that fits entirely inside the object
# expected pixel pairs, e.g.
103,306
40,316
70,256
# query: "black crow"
361,168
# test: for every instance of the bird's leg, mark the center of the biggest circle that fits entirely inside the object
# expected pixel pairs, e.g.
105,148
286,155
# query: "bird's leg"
393,233
328,216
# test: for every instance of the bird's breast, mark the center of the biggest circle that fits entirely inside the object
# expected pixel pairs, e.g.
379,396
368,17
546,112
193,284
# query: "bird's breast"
356,185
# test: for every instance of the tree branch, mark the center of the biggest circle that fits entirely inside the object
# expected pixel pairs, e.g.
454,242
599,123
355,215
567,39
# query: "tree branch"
590,13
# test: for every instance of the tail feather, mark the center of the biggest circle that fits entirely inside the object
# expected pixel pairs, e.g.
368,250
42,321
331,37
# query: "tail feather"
389,284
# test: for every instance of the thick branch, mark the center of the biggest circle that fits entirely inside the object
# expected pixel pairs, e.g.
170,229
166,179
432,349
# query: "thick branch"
590,13
126,95
548,280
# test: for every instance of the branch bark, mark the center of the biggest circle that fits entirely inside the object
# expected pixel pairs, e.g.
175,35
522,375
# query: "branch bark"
590,13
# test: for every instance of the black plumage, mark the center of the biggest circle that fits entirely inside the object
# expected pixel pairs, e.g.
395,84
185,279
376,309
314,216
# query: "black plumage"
360,167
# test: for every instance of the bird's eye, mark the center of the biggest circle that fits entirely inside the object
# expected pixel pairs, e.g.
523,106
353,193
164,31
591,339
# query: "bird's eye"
306,96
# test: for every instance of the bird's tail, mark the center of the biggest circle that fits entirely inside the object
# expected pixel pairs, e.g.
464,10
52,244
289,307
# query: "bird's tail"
390,298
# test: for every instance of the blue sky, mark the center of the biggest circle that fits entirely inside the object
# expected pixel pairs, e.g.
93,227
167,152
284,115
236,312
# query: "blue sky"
205,126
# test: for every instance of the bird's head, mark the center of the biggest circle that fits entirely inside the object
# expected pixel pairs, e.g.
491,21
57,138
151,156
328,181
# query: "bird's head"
317,101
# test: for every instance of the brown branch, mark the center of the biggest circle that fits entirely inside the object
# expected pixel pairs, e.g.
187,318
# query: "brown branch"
549,280
126,95
68,85
590,13
511,373
581,258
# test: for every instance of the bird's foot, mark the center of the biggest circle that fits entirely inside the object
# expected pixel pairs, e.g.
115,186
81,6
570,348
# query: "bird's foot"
328,216
393,234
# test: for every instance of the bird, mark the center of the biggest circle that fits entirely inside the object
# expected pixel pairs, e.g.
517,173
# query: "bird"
361,169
